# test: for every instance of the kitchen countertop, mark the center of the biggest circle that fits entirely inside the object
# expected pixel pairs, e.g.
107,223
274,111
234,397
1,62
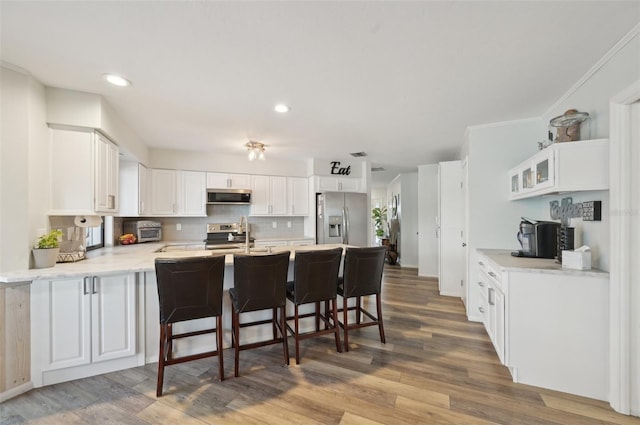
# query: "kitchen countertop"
131,258
503,259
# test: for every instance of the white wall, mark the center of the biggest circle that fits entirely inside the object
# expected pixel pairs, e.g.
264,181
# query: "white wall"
210,161
427,211
23,183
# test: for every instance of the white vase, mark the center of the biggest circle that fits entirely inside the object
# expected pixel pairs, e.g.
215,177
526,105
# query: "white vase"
45,257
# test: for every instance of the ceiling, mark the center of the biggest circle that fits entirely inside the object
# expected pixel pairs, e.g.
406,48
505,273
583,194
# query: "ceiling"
398,80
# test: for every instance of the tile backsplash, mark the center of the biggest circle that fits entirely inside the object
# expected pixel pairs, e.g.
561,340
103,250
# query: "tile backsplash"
194,228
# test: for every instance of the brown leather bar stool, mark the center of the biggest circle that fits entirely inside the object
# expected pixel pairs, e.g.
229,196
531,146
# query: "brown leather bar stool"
188,289
259,284
315,280
362,276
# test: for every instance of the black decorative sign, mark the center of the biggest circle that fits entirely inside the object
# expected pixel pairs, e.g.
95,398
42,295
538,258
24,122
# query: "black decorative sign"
566,209
337,169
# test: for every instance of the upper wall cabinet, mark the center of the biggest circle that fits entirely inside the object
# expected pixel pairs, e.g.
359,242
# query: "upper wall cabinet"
298,195
269,195
134,189
562,167
84,173
228,181
178,193
340,184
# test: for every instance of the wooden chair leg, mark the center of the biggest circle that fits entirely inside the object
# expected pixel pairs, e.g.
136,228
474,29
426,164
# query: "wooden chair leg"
358,314
219,342
317,316
336,328
296,335
283,324
161,361
346,325
326,313
380,325
273,323
236,334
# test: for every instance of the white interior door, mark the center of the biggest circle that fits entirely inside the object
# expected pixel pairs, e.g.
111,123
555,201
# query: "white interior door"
452,255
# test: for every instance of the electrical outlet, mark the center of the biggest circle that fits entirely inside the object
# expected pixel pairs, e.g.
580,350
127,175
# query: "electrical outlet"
274,224
289,224
178,226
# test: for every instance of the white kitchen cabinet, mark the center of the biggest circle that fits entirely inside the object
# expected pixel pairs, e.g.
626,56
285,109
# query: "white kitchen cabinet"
84,173
164,195
134,189
178,193
339,184
192,193
562,167
548,325
82,326
268,195
298,195
228,181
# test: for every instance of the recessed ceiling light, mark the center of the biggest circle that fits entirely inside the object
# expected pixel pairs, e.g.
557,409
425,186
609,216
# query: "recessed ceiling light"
282,108
117,80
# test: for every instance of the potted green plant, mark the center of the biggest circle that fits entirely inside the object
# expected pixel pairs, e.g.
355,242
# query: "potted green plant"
46,249
379,216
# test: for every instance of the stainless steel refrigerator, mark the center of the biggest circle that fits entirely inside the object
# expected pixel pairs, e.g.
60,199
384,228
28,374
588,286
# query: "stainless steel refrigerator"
342,217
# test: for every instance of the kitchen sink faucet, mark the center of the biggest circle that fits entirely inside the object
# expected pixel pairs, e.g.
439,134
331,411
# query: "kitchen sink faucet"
245,228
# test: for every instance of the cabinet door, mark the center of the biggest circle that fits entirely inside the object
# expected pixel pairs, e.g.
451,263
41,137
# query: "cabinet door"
277,195
192,193
163,192
349,185
298,195
72,172
143,190
499,323
61,311
218,181
328,183
514,183
113,316
240,181
259,195
106,174
544,171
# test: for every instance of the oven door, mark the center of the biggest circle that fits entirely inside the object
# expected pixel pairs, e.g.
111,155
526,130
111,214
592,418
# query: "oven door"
149,234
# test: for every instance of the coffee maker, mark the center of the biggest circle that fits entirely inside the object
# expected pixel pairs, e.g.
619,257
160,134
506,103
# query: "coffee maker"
538,239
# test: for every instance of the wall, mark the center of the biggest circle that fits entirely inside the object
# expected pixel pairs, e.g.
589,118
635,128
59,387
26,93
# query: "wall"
211,161
428,209
79,109
493,220
24,194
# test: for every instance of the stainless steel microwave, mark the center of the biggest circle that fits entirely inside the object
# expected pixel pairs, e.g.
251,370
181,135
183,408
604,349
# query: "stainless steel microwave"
229,196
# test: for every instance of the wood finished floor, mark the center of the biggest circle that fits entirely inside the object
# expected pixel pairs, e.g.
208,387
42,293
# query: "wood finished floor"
436,368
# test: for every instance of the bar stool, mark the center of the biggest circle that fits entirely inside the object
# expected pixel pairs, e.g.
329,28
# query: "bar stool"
259,284
315,280
188,289
362,276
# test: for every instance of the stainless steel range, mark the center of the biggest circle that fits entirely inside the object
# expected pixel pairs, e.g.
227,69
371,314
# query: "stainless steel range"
226,235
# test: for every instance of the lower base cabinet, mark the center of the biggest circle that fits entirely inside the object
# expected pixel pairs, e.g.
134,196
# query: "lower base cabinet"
83,326
549,327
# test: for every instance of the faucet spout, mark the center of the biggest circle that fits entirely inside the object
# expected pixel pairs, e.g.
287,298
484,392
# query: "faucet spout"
245,228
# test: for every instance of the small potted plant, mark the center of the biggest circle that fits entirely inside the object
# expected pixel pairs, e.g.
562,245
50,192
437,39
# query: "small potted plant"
46,249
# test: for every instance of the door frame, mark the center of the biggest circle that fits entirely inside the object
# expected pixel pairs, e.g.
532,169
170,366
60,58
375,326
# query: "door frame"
623,336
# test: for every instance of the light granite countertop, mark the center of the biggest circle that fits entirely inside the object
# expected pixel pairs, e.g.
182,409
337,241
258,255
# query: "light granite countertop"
132,258
505,261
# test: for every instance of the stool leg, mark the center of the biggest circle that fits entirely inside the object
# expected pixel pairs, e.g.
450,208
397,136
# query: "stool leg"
336,328
161,361
297,333
380,325
283,324
358,314
236,336
346,325
220,355
273,323
317,316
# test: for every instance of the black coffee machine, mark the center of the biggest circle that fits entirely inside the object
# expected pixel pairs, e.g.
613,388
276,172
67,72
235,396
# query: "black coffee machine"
538,239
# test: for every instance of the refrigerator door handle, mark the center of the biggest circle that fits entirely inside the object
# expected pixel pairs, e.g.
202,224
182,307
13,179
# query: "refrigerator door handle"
346,228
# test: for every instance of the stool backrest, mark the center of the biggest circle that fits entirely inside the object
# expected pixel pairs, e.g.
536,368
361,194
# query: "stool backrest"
189,288
260,280
316,275
363,270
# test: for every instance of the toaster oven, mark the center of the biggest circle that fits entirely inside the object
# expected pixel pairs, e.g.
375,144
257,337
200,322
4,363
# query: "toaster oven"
144,230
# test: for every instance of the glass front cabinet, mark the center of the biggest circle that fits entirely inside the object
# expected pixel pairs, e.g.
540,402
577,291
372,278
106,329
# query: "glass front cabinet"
534,174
